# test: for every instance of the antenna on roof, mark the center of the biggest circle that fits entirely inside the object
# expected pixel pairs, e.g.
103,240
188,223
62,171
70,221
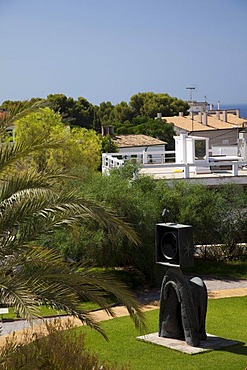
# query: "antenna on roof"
191,88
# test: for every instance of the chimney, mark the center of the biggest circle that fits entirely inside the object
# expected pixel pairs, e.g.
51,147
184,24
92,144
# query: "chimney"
238,113
211,107
225,115
104,130
181,114
218,114
159,115
205,118
107,130
111,130
199,117
218,105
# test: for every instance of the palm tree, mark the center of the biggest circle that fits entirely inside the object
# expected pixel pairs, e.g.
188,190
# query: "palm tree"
32,204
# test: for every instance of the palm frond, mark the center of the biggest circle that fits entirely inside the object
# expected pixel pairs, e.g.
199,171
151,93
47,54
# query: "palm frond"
11,153
16,293
27,180
51,210
43,276
32,204
20,110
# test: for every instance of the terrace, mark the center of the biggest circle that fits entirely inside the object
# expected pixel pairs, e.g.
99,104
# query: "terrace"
191,160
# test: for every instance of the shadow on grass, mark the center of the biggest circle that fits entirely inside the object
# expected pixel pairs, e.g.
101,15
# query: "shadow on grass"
239,349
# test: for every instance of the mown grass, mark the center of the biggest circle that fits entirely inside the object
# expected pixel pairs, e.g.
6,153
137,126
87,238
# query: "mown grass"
230,269
46,311
226,318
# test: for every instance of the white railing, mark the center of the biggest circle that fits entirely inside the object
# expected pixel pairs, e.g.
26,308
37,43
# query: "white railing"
109,162
143,157
157,160
188,168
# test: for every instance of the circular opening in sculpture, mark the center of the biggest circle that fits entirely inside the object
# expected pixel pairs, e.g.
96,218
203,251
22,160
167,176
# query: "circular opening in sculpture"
169,245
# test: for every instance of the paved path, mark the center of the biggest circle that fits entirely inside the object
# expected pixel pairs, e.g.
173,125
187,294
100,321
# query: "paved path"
217,288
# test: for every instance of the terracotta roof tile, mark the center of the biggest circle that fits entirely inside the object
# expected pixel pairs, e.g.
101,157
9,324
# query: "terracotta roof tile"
185,122
124,141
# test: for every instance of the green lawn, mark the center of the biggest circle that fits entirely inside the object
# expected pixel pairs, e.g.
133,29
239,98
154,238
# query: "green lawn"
226,318
44,311
231,269
47,311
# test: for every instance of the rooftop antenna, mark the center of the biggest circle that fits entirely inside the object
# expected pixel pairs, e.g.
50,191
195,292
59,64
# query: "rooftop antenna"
191,88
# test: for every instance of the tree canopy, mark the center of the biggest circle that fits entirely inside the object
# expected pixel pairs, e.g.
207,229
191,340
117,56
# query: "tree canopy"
79,146
80,112
75,112
149,104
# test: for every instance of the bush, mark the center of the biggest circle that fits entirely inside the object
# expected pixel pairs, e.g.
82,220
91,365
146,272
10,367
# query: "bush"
130,276
61,349
132,200
218,216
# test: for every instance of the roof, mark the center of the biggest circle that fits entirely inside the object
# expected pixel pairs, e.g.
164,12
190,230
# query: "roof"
126,141
185,122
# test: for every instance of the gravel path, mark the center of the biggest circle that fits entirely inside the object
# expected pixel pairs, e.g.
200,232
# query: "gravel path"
9,327
223,283
212,284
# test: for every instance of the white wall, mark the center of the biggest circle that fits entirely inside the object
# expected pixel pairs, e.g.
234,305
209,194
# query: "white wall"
139,149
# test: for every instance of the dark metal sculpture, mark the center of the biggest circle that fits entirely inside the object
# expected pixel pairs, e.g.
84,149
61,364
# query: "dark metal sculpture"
183,307
183,303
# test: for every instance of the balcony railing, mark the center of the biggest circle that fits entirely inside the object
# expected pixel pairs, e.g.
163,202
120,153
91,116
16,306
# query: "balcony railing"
165,161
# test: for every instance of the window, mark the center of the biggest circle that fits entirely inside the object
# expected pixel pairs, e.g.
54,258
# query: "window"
200,149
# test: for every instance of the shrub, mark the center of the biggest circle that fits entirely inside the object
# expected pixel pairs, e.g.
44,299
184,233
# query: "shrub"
61,349
218,216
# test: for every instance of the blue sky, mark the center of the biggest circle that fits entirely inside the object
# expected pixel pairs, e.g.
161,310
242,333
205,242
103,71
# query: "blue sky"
110,50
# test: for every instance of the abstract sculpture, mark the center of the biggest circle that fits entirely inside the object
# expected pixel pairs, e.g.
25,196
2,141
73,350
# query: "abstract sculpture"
183,303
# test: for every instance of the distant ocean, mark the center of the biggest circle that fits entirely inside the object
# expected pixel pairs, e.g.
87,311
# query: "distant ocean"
241,107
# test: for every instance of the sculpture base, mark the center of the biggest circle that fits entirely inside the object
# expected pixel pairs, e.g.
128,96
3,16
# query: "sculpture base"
213,342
